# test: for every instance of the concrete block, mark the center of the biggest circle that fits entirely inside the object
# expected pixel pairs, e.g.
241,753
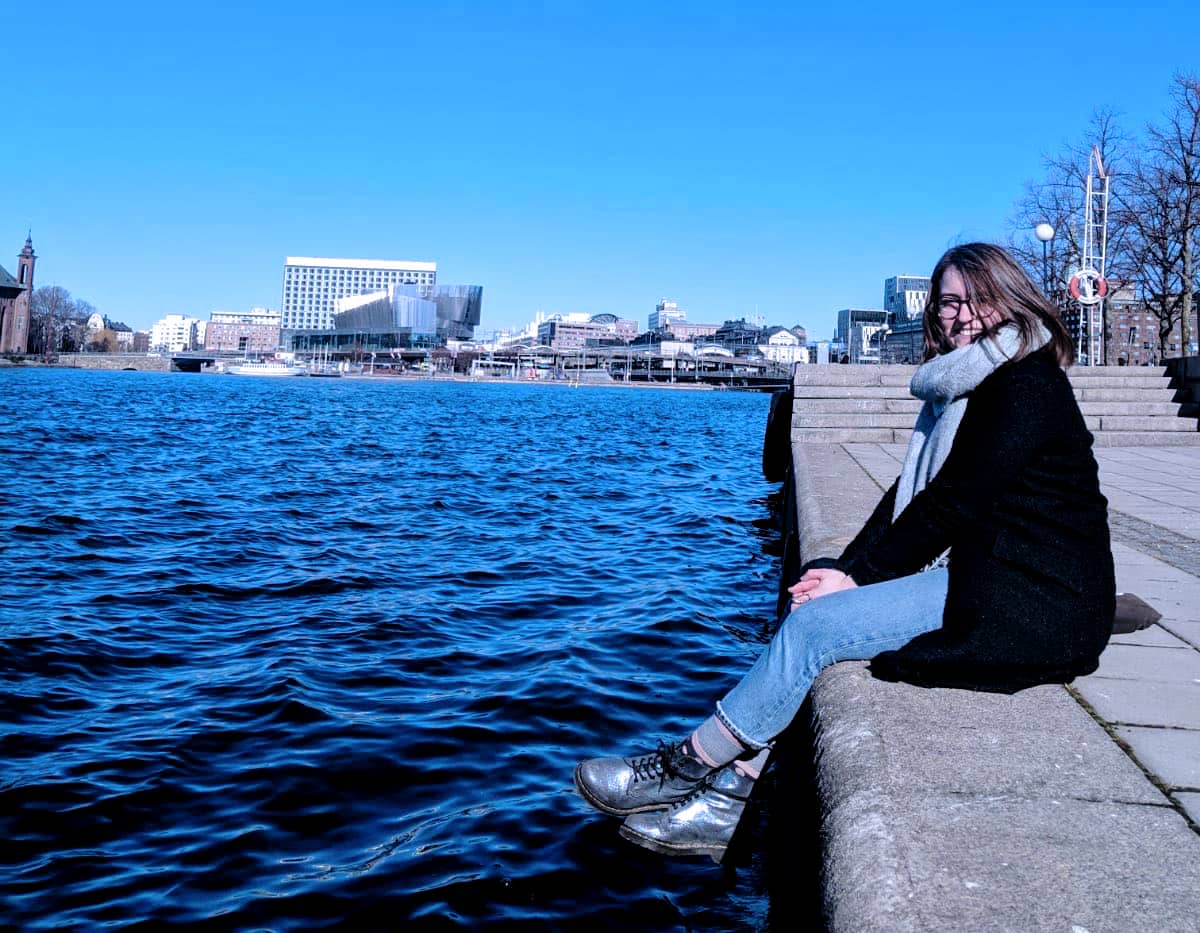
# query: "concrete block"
1171,754
1142,703
1012,864
893,738
956,810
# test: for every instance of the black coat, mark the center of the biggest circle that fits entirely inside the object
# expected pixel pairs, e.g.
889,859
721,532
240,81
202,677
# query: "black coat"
1018,504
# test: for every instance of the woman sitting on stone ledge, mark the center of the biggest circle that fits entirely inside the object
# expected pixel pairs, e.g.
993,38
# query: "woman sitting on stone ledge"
986,565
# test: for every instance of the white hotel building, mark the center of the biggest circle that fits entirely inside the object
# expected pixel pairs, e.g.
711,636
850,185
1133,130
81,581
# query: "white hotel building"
312,285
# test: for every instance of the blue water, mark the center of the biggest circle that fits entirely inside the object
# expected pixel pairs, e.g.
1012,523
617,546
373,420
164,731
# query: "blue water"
303,653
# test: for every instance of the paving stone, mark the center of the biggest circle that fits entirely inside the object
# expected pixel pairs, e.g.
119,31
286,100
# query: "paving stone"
1188,631
1191,803
1142,703
1170,754
1154,636
1139,662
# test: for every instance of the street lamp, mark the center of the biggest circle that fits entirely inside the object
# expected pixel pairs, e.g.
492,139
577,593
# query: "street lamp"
1045,233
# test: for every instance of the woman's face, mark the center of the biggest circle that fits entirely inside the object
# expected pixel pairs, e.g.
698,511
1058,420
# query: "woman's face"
962,320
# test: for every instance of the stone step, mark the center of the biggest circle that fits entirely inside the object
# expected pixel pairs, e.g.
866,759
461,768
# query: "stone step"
880,435
1117,382
1152,423
1166,409
853,375
851,391
1146,438
816,406
849,436
851,420
1158,394
1117,371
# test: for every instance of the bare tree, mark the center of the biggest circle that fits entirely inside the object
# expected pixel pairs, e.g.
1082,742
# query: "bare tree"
1058,199
1176,148
49,306
1153,216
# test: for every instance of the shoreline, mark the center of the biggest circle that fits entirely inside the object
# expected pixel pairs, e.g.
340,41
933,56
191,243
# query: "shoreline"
396,377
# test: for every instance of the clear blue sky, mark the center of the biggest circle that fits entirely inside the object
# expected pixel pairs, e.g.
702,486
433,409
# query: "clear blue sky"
565,156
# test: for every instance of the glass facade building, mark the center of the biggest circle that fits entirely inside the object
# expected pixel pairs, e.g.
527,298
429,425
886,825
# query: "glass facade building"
312,285
904,297
402,316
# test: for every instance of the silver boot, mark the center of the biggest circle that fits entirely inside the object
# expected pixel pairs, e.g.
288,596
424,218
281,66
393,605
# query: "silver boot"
622,786
701,824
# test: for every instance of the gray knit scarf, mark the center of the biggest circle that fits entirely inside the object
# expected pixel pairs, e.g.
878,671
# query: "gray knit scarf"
944,383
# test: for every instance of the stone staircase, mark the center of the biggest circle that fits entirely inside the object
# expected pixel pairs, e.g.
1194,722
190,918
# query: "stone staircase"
1122,406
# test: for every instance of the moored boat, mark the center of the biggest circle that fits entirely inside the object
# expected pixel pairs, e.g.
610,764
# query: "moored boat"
266,368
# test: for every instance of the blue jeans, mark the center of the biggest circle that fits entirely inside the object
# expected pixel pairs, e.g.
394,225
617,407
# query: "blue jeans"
849,625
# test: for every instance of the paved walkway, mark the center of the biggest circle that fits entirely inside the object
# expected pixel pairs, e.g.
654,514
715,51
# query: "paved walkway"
1146,692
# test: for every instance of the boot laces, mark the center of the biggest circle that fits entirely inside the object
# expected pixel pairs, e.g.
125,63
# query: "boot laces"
655,765
702,787
706,784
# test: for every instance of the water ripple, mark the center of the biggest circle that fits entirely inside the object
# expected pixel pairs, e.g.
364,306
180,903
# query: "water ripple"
324,654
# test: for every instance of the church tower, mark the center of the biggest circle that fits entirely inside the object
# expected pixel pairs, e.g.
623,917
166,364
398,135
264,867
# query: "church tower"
16,297
14,332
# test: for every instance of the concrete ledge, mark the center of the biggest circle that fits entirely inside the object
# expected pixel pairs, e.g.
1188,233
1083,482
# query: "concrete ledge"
955,810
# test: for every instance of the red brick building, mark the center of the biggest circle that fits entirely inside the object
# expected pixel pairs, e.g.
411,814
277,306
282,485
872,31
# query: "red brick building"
16,294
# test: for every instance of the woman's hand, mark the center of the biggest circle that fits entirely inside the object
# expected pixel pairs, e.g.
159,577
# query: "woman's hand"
819,582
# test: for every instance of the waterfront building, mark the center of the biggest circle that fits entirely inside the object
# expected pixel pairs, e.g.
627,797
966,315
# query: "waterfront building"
1134,338
859,330
738,335
903,343
904,297
176,333
312,285
399,317
683,330
16,296
780,345
104,336
253,331
665,313
801,334
573,331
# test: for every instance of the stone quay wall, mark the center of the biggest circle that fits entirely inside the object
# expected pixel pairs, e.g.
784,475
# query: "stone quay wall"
946,809
116,361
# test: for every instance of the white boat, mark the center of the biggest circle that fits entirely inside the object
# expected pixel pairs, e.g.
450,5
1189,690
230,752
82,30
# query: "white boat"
266,368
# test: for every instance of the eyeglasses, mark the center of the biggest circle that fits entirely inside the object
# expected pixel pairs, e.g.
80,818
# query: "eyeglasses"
950,307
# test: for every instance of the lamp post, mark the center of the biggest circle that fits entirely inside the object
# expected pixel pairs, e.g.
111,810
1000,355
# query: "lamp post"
1045,233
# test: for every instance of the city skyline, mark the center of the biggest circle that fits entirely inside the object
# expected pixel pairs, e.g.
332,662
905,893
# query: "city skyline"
565,160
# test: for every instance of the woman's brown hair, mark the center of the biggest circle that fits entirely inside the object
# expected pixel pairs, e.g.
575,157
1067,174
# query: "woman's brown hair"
994,280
